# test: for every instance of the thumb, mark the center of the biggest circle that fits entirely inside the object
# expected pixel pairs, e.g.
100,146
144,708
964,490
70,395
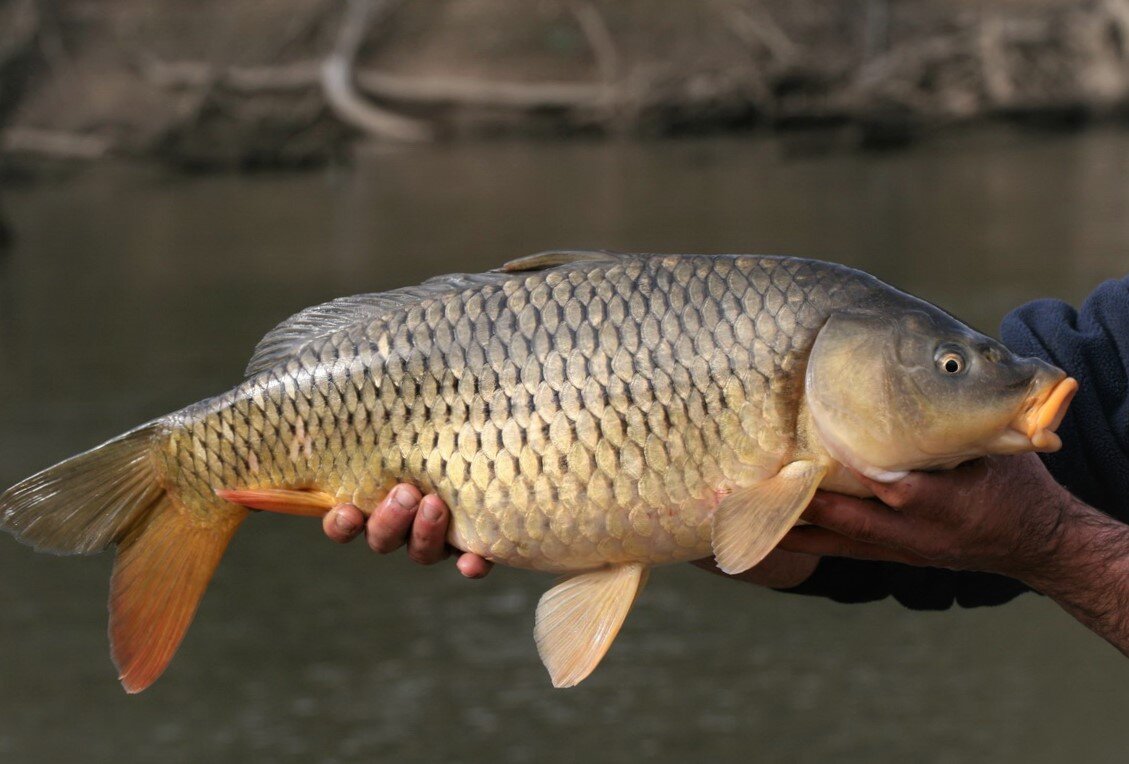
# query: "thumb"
892,493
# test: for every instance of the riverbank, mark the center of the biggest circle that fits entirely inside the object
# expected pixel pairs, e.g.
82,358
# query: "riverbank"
294,82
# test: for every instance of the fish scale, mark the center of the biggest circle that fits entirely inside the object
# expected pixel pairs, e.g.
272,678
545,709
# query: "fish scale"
571,417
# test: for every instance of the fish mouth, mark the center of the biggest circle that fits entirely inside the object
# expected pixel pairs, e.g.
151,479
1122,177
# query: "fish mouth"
1042,413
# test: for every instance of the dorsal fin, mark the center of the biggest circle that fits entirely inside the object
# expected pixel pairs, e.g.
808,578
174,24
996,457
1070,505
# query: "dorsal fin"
552,258
303,327
320,321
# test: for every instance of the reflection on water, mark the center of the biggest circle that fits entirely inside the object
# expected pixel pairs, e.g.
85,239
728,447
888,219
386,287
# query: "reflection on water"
130,294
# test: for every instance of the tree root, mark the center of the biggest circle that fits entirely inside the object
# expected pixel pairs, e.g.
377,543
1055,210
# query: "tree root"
361,16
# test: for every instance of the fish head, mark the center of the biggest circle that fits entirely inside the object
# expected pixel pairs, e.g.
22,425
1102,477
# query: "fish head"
891,391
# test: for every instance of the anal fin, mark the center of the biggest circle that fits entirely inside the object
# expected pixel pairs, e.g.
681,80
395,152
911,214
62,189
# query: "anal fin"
579,618
160,573
750,522
282,500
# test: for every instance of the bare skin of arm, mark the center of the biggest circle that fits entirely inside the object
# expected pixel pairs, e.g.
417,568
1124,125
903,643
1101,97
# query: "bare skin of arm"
1000,515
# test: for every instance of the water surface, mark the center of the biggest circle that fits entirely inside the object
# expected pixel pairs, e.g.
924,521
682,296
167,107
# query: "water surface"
131,293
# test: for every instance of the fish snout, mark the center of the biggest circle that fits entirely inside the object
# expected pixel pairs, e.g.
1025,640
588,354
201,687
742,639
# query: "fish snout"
1051,392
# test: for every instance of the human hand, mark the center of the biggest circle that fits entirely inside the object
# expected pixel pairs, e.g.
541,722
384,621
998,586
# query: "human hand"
997,514
404,516
781,569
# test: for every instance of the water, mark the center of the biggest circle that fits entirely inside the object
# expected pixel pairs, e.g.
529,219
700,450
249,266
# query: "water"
131,293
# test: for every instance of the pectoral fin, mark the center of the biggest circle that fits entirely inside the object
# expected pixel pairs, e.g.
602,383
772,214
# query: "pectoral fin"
751,521
578,619
282,500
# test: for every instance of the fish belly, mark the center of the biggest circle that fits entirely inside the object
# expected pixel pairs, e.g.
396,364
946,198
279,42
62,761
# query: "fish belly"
581,534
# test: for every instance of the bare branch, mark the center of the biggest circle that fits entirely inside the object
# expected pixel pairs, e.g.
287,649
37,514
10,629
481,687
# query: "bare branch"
422,91
756,27
993,62
337,79
54,143
599,38
463,91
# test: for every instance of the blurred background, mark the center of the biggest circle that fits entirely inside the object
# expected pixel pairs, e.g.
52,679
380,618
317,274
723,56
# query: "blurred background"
175,178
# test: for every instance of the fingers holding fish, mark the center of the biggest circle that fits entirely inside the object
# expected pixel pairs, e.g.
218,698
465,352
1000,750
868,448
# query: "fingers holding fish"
816,542
428,545
863,519
847,526
999,515
473,566
390,525
343,523
781,569
427,537
919,492
404,518
427,542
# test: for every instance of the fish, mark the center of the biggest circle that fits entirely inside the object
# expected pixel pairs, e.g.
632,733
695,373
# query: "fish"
584,413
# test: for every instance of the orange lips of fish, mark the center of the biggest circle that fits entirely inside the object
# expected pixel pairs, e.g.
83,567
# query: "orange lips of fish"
1039,420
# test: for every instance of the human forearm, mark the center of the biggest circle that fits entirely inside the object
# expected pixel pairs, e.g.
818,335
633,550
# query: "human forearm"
1087,573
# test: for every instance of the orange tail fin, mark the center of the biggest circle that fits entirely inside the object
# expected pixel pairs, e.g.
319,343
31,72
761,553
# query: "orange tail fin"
113,494
161,571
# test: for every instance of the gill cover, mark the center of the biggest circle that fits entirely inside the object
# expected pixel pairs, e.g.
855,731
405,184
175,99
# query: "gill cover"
848,394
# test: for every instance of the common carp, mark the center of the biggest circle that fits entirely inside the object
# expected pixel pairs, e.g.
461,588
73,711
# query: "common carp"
589,414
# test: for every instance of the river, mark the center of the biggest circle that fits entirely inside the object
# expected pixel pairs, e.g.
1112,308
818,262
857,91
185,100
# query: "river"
131,292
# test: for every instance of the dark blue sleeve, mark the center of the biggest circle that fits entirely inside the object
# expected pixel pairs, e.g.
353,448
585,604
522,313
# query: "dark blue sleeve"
1092,345
844,580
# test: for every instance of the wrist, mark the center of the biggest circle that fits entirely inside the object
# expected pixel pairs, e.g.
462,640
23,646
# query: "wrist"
1078,547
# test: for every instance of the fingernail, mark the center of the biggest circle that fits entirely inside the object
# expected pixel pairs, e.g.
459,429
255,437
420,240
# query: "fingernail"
431,511
402,498
344,523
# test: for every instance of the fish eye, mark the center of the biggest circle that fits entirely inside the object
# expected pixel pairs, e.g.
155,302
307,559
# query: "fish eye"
951,362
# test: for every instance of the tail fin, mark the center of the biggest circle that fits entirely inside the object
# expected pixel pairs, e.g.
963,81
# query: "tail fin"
86,503
166,554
